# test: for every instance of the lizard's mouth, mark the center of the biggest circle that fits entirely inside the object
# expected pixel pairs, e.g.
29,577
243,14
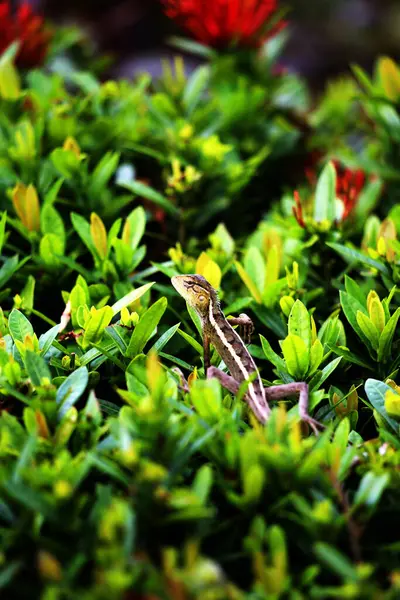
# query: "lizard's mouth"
178,281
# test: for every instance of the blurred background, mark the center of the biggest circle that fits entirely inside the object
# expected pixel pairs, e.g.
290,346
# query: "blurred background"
326,35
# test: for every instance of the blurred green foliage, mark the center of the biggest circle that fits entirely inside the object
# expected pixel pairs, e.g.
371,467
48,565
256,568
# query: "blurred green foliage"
114,483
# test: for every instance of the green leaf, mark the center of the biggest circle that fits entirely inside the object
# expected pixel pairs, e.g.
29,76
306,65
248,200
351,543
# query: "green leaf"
321,376
36,367
249,283
367,200
254,266
386,338
341,437
202,483
86,81
2,229
296,356
116,333
46,339
82,228
51,222
191,47
325,195
98,321
351,306
354,290
51,247
78,297
336,561
144,191
270,319
10,86
135,227
71,390
316,356
272,356
146,326
368,328
371,488
254,480
19,325
272,285
350,356
195,318
131,297
376,391
103,172
28,293
206,397
164,339
195,87
9,572
190,340
351,255
299,323
10,267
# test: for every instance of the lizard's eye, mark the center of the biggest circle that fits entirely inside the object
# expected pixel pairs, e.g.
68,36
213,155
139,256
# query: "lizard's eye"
201,298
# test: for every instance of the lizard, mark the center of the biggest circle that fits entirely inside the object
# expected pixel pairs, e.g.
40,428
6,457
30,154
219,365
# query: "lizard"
218,331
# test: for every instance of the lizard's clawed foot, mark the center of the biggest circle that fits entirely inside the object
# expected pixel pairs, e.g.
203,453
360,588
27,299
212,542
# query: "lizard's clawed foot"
247,328
316,426
183,384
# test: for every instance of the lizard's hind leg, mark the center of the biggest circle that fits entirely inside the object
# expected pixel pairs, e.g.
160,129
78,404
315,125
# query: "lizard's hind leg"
277,392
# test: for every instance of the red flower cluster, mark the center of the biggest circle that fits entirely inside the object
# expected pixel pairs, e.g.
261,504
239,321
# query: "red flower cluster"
349,184
219,23
28,29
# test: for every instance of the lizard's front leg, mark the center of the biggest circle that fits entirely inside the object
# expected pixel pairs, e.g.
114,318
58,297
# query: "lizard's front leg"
246,325
277,392
206,352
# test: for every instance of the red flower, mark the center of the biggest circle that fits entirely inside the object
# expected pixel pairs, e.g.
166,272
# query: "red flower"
27,28
219,23
349,184
298,210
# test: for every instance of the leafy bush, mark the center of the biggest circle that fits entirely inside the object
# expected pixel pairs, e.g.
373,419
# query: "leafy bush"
113,482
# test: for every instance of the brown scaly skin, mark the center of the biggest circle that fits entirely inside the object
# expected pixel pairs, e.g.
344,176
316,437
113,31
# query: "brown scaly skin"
217,330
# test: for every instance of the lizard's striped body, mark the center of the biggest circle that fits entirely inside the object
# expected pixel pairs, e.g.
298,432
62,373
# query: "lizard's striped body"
237,358
216,329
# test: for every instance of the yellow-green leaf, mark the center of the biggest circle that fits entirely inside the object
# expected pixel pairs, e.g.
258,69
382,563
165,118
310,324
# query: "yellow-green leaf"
10,87
392,403
248,282
98,234
368,328
299,323
316,355
32,209
272,267
254,265
377,313
98,321
209,269
389,75
296,355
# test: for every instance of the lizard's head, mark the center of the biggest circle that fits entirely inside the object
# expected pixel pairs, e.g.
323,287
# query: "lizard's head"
197,292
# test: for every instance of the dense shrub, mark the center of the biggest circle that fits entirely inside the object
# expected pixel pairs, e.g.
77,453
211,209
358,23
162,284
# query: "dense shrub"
114,483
